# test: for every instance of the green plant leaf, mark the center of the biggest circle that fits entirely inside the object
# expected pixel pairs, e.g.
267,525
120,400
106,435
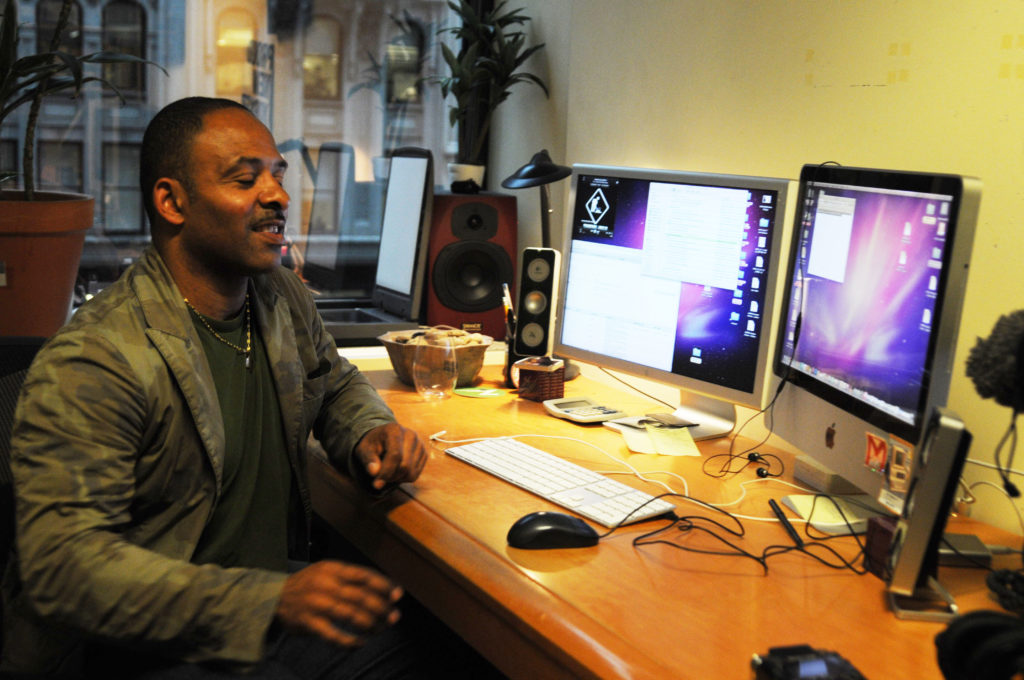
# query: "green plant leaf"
484,69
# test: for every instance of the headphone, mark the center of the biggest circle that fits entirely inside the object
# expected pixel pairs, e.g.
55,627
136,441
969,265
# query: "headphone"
763,469
982,645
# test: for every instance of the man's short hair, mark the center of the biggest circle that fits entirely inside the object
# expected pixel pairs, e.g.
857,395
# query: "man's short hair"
167,144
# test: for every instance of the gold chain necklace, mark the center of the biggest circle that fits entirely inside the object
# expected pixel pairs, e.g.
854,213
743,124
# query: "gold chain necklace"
247,350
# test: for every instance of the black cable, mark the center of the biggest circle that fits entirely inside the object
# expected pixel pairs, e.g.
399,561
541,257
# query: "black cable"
688,526
726,468
1008,587
828,537
635,388
1004,471
691,523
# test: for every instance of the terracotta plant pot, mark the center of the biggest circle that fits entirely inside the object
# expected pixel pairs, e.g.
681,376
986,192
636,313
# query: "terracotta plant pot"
40,248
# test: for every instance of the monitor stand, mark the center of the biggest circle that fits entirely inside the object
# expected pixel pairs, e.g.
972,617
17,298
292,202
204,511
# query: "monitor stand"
930,602
853,512
713,417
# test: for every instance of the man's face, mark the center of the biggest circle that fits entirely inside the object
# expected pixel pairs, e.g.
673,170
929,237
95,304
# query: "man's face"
235,214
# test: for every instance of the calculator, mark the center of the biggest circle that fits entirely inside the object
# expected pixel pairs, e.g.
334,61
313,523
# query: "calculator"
581,409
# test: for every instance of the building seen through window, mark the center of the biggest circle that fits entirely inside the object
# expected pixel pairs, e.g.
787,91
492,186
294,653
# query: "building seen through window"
338,74
47,15
322,62
124,30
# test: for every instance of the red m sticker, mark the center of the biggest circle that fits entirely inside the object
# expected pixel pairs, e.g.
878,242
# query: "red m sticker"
877,452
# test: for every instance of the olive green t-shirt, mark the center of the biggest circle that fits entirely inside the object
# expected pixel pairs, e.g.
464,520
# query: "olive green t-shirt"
249,526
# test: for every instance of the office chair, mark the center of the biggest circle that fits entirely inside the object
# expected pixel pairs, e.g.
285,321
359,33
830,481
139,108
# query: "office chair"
15,356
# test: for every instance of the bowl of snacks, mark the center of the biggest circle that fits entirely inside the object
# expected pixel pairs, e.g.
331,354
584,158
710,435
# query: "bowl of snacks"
469,351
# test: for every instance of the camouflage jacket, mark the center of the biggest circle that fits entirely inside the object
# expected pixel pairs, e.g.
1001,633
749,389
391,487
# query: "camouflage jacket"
117,454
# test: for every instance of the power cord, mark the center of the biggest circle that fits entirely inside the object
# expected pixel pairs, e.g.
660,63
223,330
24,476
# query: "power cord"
688,524
635,388
750,456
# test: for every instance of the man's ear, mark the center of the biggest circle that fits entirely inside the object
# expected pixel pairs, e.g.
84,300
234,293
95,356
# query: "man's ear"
170,200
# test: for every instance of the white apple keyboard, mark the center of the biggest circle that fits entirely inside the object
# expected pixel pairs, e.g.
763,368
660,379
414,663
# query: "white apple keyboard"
588,493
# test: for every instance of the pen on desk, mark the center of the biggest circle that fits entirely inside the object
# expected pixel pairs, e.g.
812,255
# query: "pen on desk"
510,315
785,523
506,298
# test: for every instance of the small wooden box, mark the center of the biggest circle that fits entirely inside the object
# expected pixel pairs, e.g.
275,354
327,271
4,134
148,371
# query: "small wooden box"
540,378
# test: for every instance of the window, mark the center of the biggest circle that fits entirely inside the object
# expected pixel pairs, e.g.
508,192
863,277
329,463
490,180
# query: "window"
344,74
47,14
122,200
321,66
59,166
236,30
124,30
9,162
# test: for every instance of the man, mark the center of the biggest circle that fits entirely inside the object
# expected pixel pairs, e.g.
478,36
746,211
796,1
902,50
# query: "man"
158,450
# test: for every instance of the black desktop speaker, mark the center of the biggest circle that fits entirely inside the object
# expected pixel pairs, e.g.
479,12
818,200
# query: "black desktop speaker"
471,253
538,297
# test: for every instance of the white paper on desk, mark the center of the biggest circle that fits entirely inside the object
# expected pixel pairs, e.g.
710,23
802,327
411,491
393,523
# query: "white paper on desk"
637,440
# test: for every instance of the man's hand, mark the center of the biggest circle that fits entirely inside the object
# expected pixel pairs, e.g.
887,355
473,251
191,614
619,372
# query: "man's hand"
342,603
391,454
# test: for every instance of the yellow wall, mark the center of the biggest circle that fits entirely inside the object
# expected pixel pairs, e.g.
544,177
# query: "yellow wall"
763,87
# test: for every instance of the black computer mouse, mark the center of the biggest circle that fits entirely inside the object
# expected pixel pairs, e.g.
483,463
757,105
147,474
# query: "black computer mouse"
540,530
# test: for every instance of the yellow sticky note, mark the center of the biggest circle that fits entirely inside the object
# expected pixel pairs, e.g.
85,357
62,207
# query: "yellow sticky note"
672,441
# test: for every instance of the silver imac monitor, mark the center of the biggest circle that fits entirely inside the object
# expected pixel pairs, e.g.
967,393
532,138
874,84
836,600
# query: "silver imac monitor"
671,275
873,295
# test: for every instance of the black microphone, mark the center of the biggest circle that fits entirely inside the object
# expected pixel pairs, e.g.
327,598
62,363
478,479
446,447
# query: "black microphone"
996,364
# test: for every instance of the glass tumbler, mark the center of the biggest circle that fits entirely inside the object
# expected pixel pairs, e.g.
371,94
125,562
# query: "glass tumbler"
434,366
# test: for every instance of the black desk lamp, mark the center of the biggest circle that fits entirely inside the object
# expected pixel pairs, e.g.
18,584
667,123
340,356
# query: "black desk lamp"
539,172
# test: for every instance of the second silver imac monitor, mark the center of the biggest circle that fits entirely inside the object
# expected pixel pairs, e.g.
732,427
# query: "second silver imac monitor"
671,275
873,296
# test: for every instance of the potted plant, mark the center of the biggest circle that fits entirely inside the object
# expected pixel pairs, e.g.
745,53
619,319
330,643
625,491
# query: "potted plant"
41,233
379,77
492,48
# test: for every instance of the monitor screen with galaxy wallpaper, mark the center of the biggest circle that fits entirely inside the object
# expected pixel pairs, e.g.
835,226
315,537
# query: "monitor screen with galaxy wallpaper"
873,296
671,275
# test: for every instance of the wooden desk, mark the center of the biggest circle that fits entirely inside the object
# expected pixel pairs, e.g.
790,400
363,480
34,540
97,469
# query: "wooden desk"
613,610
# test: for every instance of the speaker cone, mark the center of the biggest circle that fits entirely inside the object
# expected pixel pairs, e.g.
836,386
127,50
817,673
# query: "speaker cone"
467,275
